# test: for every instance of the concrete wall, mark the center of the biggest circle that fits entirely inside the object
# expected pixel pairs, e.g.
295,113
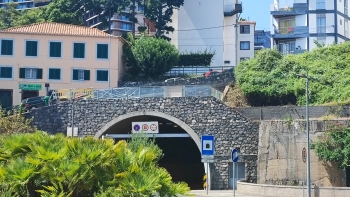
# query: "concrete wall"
205,115
289,191
280,154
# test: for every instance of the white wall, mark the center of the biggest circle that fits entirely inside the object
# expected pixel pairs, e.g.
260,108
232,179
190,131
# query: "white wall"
230,40
340,6
199,14
329,4
301,20
329,40
302,42
341,26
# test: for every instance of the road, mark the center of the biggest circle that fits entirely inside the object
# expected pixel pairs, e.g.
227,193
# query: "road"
218,193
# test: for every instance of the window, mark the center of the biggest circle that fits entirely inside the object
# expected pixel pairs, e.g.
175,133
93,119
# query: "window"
79,50
54,73
102,51
126,26
321,23
320,4
346,28
346,12
244,58
81,75
286,25
341,22
31,48
6,47
227,62
286,47
245,45
245,29
102,75
321,40
139,8
30,73
5,72
125,18
55,49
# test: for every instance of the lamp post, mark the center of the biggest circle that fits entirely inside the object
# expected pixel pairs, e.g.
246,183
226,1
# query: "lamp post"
306,76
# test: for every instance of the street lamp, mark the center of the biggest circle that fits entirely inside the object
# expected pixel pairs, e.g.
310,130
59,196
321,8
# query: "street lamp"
306,76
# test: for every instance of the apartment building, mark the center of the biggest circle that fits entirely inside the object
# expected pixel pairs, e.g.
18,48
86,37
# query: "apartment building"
60,56
25,4
245,39
295,25
120,23
208,25
262,39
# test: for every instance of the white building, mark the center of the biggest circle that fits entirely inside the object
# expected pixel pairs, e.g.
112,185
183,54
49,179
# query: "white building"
211,25
246,40
295,25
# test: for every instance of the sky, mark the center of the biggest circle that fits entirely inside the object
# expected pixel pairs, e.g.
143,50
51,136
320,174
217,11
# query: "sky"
259,11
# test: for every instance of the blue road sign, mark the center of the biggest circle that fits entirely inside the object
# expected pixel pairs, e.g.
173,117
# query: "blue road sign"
234,155
208,145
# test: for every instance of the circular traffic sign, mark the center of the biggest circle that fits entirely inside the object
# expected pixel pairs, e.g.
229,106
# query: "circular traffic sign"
136,127
153,127
144,127
234,155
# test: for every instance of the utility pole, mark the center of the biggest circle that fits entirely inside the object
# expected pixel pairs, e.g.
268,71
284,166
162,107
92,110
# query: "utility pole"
133,17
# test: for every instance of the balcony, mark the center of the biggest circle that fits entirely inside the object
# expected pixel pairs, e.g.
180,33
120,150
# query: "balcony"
291,32
282,10
120,18
230,10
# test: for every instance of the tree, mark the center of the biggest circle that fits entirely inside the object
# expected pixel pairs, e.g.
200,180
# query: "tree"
334,146
13,122
150,57
65,11
55,165
30,16
160,12
9,15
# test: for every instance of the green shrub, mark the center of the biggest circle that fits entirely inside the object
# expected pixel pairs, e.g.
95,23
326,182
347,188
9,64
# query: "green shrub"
54,165
270,78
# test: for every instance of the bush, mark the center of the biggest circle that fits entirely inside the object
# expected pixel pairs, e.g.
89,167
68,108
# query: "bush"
54,165
196,59
12,121
149,57
270,78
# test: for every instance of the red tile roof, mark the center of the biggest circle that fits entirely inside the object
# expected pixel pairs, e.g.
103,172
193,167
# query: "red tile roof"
60,29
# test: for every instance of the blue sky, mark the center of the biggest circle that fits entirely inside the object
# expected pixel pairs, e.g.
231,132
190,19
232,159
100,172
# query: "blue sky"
259,11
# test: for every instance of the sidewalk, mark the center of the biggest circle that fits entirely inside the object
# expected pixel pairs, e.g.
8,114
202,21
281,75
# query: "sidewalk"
218,193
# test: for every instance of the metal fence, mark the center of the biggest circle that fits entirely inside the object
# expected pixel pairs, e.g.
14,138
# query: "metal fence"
182,71
138,92
157,91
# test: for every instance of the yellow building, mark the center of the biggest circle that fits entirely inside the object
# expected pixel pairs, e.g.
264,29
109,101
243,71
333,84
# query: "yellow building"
60,56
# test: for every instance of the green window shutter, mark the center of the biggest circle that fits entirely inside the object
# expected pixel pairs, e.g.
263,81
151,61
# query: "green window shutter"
39,73
102,51
6,72
75,74
22,73
55,73
86,75
31,48
79,50
102,75
6,47
55,49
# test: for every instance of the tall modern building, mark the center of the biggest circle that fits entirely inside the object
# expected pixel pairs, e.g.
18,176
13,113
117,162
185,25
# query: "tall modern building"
295,25
26,4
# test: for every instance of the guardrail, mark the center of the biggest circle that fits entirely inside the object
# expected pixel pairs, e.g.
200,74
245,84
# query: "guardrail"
137,92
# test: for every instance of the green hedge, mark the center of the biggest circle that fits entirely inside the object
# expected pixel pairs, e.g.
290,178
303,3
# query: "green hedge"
196,59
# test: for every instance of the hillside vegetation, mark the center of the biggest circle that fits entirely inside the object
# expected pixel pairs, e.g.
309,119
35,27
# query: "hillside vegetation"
270,78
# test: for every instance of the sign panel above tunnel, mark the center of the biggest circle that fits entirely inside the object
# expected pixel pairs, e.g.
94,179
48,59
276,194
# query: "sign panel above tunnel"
145,127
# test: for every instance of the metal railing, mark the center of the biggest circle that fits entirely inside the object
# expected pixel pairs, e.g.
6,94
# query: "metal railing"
285,30
137,92
195,70
282,7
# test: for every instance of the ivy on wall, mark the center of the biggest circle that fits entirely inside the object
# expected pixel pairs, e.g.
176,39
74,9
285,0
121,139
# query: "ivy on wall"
196,59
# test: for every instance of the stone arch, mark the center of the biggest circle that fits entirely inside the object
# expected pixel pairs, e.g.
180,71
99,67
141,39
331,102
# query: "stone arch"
181,124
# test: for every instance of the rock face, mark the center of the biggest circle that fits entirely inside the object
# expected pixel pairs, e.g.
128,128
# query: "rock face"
280,154
205,115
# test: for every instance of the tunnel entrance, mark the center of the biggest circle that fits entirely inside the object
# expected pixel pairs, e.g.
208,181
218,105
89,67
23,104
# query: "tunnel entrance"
181,155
